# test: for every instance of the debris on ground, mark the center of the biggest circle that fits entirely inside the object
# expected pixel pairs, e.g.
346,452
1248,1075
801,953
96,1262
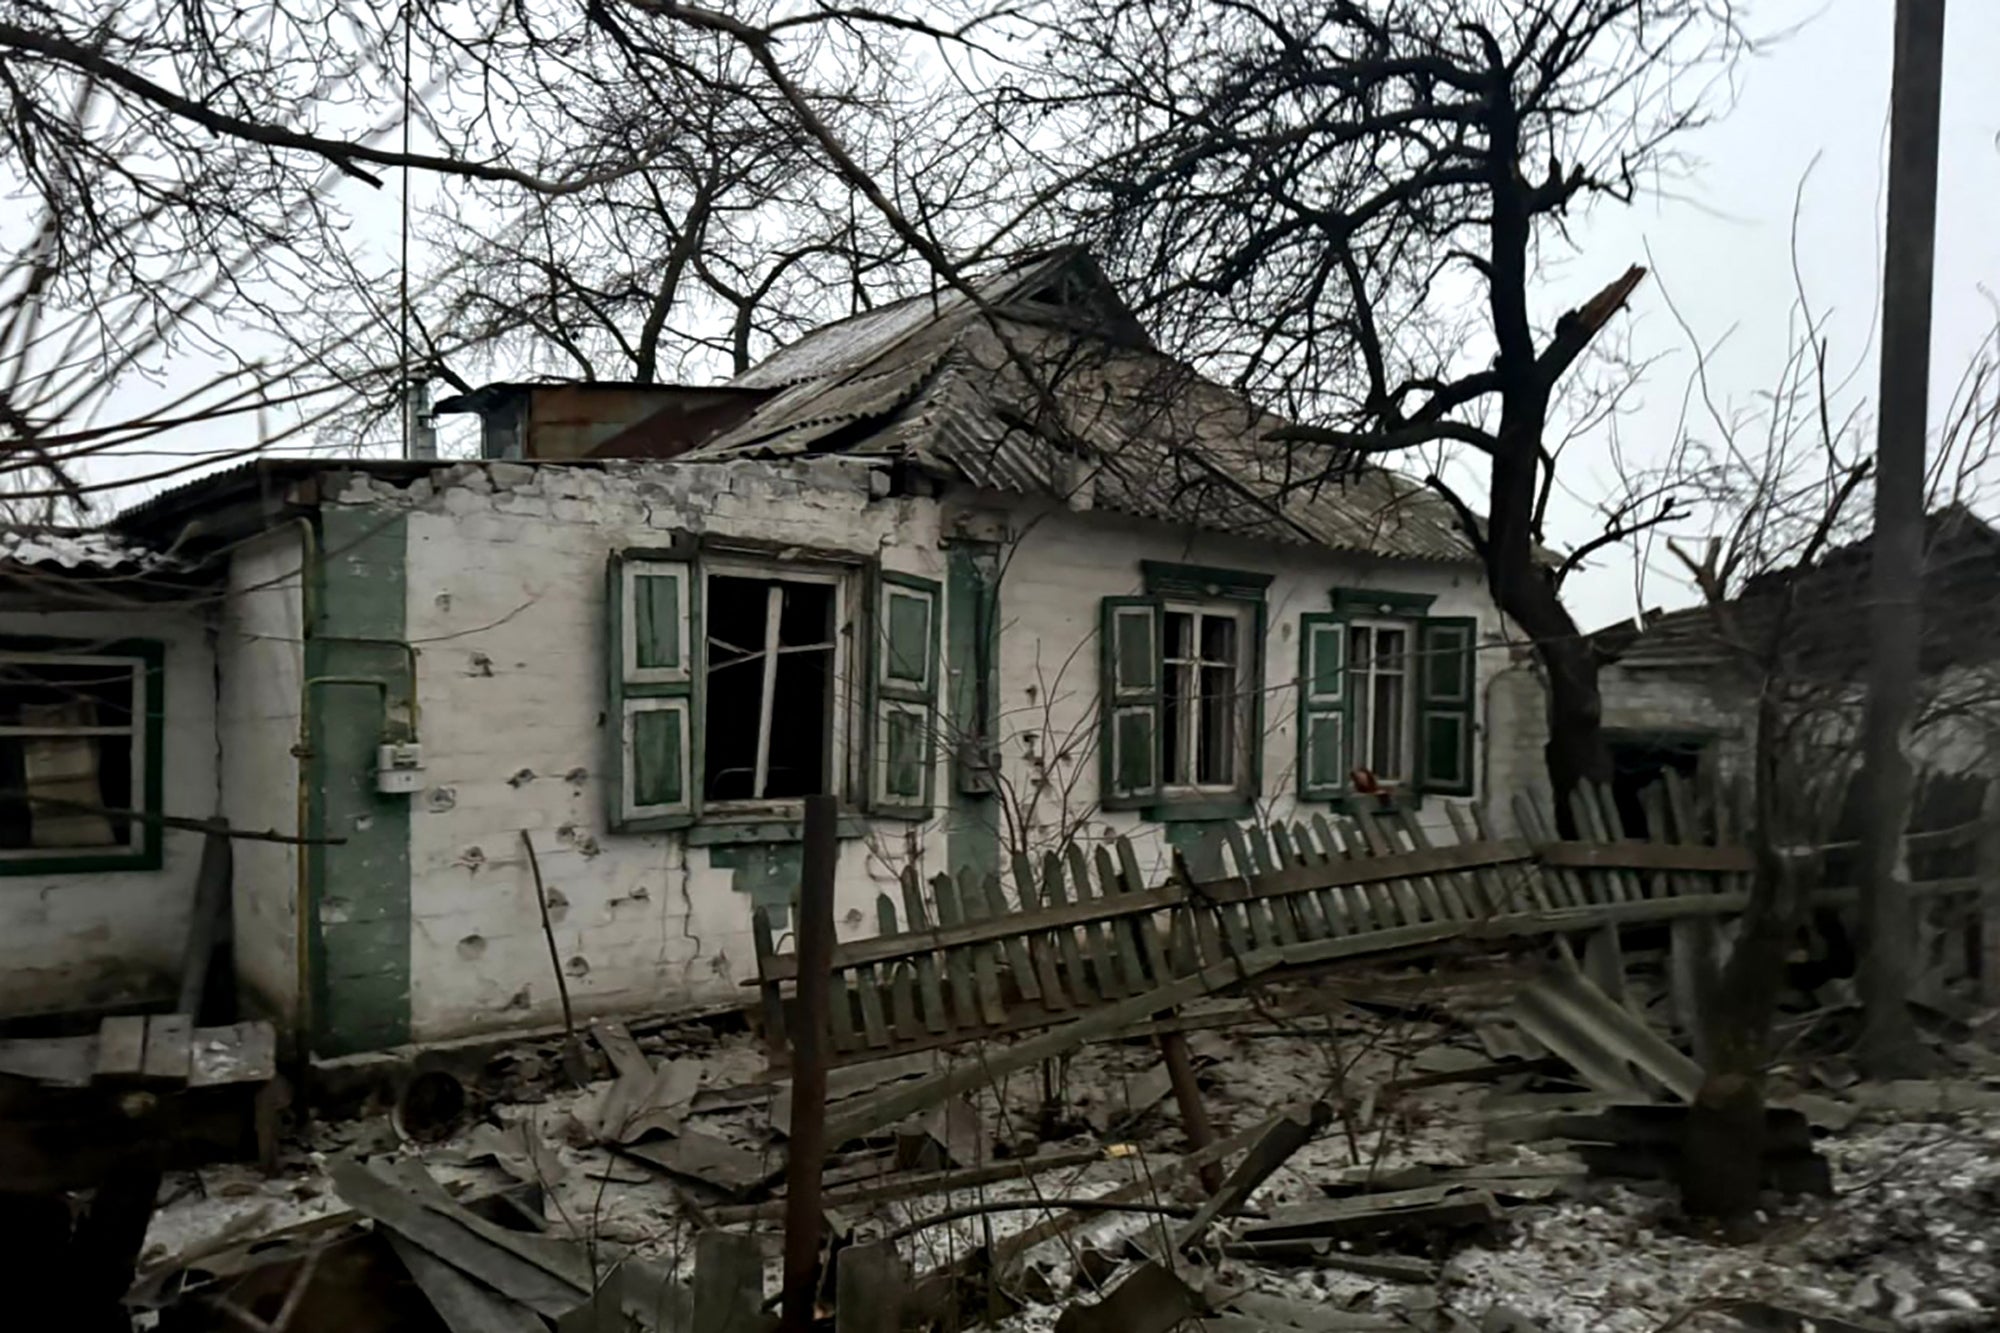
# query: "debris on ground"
1389,1163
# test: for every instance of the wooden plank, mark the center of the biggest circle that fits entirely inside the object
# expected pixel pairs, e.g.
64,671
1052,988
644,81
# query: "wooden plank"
1566,890
985,957
1307,918
465,1306
901,979
1648,856
1205,920
237,1053
771,997
626,1057
1084,944
1055,907
1097,941
1454,887
957,966
1351,906
1382,900
912,943
1412,909
840,1014
864,1114
728,1282
1145,928
987,890
871,1286
928,990
1122,941
1483,893
874,1014
1330,911
167,1056
1400,828
1256,916
696,1155
1044,947
548,1280
121,1048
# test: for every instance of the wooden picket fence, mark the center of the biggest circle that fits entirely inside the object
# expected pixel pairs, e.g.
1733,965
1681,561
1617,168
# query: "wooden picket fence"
969,959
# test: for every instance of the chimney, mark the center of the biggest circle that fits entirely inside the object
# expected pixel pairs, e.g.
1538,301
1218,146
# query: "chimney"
420,438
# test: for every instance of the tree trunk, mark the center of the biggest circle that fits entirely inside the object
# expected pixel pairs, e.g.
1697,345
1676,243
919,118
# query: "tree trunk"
1888,1046
1576,751
1722,1157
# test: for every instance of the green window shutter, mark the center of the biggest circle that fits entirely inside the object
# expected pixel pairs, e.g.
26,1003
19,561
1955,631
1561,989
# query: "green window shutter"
1323,706
649,622
1129,695
1444,737
902,765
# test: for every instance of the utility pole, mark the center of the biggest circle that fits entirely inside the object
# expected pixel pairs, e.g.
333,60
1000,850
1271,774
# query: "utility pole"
1895,618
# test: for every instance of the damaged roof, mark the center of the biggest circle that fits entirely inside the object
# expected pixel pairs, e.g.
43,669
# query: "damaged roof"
1061,392
1814,610
78,551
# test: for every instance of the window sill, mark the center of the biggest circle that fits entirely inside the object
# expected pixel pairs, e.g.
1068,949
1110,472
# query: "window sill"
95,863
737,832
1393,803
1191,809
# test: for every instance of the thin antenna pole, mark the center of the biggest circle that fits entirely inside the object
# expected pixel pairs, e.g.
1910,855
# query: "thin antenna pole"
403,303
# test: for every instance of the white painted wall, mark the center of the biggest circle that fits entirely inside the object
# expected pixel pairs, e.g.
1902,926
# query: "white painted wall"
1062,564
84,941
506,609
259,661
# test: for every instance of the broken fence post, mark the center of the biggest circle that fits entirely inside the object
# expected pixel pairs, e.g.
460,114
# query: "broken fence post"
872,1287
1187,1096
809,1027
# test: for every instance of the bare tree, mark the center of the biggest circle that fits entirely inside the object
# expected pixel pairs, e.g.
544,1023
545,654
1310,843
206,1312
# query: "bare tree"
1350,202
196,185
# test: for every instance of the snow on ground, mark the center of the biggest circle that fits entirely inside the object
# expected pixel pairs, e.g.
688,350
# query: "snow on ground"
1911,1235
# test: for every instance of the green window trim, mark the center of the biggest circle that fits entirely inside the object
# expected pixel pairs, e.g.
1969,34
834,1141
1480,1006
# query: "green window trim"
1131,693
1442,701
906,634
1203,582
149,781
656,692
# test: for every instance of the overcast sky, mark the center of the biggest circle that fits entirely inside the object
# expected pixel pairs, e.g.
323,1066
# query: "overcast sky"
1724,252
1722,247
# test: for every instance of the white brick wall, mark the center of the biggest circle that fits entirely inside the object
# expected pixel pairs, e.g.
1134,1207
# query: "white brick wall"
505,579
259,659
94,940
1065,563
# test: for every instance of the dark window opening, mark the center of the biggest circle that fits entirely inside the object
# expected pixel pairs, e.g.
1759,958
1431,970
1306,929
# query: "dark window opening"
1640,762
69,740
768,719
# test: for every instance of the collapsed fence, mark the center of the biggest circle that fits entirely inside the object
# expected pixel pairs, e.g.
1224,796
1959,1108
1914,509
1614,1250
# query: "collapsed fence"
1079,936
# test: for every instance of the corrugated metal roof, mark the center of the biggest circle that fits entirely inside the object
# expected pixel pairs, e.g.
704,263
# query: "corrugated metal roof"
1149,436
79,551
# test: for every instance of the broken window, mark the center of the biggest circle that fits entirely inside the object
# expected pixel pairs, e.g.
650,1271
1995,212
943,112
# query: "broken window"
770,678
74,741
742,686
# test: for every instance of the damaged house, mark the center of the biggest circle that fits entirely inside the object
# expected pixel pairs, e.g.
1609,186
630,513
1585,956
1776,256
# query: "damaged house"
997,573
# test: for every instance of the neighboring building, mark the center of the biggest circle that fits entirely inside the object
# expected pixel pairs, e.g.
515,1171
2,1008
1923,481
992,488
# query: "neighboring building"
991,610
1679,688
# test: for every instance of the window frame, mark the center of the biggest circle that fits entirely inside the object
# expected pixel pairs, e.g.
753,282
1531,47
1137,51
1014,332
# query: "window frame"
840,707
145,849
1240,613
1441,699
1359,685
1125,704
